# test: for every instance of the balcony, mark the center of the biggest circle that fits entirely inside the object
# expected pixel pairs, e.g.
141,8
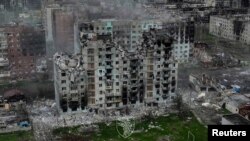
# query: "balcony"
109,87
165,82
109,66
166,69
5,74
73,91
134,89
165,89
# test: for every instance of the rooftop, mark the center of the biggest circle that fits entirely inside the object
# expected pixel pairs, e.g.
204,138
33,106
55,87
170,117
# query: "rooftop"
237,119
238,99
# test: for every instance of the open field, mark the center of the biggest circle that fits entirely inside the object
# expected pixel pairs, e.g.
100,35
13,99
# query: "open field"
17,136
171,126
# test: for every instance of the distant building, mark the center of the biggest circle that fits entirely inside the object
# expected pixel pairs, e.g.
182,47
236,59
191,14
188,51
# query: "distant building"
128,33
25,46
234,119
235,27
14,5
61,32
4,61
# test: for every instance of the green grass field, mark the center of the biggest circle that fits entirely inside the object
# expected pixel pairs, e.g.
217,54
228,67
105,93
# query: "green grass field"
171,126
17,136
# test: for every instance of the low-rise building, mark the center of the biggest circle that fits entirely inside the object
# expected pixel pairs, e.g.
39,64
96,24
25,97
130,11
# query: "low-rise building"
235,102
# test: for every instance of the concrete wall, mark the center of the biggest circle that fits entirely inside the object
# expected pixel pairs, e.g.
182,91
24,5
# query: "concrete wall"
224,121
231,107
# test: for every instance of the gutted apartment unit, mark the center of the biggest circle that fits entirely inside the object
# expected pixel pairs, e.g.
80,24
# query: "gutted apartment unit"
114,77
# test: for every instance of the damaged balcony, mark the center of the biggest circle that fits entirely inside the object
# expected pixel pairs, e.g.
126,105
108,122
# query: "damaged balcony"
109,87
133,77
134,89
115,99
165,82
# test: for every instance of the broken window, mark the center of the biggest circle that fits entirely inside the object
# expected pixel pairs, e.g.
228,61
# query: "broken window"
90,51
63,74
91,65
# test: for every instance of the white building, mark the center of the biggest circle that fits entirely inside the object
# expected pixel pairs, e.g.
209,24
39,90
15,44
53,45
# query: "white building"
235,27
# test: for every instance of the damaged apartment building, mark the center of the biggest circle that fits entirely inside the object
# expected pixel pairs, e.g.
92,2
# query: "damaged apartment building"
104,75
128,33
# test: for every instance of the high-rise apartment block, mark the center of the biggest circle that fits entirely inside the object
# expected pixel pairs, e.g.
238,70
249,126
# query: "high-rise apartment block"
104,75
